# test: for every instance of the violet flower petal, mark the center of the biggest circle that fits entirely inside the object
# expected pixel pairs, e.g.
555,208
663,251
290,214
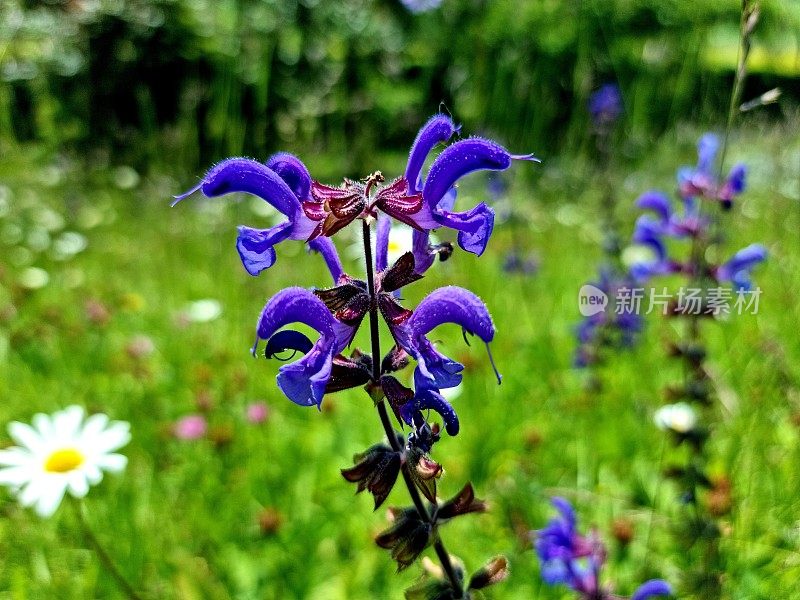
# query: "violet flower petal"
449,304
431,399
654,587
327,249
382,242
304,380
439,128
658,203
256,247
292,170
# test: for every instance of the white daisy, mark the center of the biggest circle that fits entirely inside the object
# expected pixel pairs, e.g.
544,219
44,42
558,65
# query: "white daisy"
59,453
679,417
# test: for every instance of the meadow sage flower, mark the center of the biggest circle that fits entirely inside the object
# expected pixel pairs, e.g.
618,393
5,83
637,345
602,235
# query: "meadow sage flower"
738,268
313,209
61,453
567,557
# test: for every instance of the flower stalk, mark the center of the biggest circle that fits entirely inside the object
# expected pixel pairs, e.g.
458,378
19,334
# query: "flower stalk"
105,558
388,429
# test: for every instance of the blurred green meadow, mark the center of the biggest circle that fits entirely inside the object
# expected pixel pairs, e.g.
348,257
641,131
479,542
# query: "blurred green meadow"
112,300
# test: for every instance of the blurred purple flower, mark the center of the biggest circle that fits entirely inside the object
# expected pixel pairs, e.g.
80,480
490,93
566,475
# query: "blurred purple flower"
569,558
605,105
738,268
421,6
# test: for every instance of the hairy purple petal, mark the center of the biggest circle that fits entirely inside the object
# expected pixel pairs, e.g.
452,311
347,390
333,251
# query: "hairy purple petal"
252,177
439,128
474,227
452,304
431,399
304,380
446,305
654,587
292,170
327,249
257,246
459,159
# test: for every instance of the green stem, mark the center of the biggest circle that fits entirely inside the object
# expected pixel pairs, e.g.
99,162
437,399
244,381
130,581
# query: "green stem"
388,429
125,587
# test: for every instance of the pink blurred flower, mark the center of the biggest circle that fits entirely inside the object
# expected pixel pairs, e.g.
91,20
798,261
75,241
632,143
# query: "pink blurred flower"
257,412
190,427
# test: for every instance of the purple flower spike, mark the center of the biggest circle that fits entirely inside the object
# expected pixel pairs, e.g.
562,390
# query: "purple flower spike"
256,246
449,304
304,380
738,268
431,399
654,587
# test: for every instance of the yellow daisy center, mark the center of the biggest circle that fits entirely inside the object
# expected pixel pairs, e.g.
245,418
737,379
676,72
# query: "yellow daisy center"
63,460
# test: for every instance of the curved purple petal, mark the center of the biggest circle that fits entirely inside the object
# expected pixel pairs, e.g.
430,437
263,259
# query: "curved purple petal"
654,587
421,247
474,227
657,202
567,512
257,246
383,229
292,170
459,159
449,304
737,268
327,249
439,128
252,177
431,399
452,304
304,380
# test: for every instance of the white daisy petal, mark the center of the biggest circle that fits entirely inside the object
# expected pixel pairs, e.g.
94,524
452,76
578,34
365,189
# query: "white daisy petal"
25,436
78,484
43,424
113,463
15,457
93,473
14,476
94,425
115,437
31,492
49,500
68,421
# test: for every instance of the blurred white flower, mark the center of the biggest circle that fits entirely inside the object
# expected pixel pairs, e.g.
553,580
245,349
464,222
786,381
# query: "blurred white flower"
400,241
679,417
68,244
60,453
33,278
203,311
